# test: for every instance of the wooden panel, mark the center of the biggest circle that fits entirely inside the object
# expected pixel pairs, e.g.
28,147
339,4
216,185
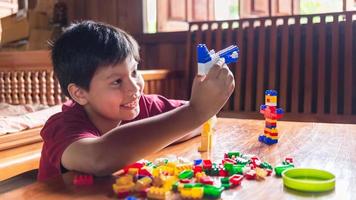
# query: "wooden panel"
308,67
238,98
254,8
311,65
334,65
296,66
282,7
349,36
19,160
177,10
284,75
200,11
21,138
127,15
261,56
272,72
250,81
173,15
169,19
259,6
321,66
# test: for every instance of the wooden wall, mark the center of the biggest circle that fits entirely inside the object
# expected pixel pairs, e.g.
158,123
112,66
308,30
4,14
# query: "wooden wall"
165,51
311,65
127,15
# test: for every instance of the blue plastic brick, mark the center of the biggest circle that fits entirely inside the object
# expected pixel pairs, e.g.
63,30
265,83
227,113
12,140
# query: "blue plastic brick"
270,126
203,54
279,111
263,107
271,92
267,140
198,161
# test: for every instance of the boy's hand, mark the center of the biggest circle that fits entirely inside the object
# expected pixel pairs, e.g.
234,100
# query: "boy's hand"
210,92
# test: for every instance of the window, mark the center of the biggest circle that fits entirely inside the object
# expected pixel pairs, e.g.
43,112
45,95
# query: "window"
173,15
320,6
226,9
7,7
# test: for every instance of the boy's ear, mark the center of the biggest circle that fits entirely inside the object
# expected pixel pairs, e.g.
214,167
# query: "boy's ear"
77,93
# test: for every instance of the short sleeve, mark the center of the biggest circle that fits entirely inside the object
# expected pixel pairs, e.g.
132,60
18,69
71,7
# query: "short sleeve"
59,132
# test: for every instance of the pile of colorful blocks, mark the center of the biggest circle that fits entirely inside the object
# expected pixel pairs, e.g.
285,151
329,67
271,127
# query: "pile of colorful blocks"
194,180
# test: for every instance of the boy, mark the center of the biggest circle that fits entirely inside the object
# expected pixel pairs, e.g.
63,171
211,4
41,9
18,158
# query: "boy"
96,65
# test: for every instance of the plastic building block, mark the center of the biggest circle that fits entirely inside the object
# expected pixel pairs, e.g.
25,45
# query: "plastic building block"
158,193
134,165
190,181
212,191
280,168
225,180
206,58
233,154
223,173
143,183
236,179
271,114
144,172
207,164
251,175
122,194
192,193
198,162
83,179
206,136
229,160
206,180
186,174
265,165
131,198
260,173
197,169
288,159
185,180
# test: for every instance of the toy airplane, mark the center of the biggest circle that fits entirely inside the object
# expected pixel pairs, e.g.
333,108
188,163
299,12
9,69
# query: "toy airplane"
206,58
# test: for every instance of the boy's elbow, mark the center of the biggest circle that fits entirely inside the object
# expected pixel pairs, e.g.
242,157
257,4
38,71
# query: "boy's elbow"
104,165
98,165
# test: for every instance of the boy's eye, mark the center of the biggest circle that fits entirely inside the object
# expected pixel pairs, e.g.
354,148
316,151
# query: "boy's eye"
118,82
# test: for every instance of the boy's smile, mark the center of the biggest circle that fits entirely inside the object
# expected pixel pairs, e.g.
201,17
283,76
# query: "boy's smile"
114,94
133,104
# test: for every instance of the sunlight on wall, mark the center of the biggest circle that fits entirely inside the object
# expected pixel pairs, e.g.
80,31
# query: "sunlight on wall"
151,16
320,6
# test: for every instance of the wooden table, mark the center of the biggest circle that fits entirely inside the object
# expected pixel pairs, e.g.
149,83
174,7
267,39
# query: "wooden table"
325,146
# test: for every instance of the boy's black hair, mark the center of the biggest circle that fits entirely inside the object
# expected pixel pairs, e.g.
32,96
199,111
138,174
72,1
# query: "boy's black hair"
86,46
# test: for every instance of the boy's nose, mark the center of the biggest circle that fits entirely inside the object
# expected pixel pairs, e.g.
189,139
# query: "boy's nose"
133,87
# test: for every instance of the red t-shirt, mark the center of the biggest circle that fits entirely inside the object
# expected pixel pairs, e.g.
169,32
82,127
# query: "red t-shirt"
72,124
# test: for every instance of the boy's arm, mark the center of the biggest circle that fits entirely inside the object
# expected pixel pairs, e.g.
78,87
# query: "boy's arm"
131,142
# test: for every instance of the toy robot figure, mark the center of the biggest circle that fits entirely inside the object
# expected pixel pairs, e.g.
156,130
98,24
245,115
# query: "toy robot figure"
271,114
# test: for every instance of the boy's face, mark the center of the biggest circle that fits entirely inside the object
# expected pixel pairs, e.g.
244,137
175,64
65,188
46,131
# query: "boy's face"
114,92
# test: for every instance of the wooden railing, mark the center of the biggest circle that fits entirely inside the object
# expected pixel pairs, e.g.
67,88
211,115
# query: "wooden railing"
27,77
310,60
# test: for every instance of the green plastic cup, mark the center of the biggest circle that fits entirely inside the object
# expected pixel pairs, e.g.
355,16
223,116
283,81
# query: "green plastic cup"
308,179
